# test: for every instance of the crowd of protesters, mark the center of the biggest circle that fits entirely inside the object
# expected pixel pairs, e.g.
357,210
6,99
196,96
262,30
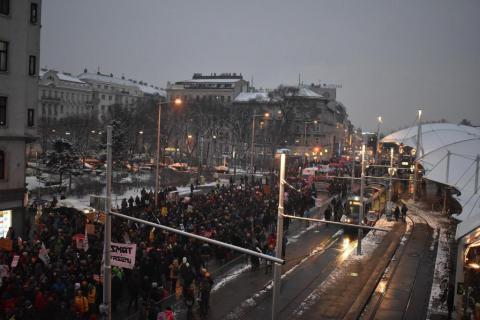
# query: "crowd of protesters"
54,278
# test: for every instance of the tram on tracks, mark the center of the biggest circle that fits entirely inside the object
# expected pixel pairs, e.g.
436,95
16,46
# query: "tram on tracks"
374,202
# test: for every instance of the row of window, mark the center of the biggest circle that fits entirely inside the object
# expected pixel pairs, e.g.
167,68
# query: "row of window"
52,110
3,113
5,10
209,98
32,60
69,96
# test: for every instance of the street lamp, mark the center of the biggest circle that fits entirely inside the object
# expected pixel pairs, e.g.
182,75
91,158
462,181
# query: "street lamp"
379,119
417,154
176,102
305,130
252,151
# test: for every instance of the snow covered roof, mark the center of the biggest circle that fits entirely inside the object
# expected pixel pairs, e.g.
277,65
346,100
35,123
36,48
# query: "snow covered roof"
449,154
105,78
434,135
62,76
252,96
151,91
211,80
307,93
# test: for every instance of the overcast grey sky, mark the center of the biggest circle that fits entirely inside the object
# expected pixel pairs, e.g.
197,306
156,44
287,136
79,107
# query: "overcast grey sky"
390,56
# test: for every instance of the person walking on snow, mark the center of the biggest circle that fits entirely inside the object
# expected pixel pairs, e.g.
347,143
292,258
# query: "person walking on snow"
404,212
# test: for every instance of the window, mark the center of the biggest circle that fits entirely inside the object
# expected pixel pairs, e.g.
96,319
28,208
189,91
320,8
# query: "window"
3,55
5,7
32,66
103,97
2,164
3,111
61,108
30,117
33,13
109,97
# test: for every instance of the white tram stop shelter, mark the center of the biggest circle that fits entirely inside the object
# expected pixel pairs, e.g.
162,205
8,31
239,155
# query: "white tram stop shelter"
449,154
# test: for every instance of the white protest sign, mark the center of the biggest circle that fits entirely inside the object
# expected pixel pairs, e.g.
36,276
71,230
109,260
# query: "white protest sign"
123,255
15,261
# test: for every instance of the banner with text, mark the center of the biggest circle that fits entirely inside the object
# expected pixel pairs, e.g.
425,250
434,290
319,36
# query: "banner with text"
123,255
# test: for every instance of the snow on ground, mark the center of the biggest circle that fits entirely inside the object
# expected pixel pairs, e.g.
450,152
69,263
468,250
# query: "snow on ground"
441,225
233,274
33,182
369,243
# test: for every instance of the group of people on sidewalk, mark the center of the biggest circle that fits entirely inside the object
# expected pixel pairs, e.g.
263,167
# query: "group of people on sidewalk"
55,278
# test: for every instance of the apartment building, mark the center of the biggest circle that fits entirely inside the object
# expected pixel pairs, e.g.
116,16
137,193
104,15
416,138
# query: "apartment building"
61,95
222,88
19,56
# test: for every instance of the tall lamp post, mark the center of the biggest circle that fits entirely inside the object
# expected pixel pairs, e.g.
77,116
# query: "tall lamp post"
252,151
379,119
362,208
305,130
177,102
417,153
391,173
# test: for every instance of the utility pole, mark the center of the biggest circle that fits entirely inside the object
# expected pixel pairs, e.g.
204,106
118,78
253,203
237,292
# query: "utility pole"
107,268
157,158
417,153
377,149
353,169
477,169
277,272
391,172
362,208
253,141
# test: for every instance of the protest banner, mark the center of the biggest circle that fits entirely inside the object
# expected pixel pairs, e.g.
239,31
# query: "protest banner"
123,255
43,254
15,261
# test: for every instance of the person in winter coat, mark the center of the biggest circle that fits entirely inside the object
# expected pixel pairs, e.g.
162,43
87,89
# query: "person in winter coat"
396,213
404,212
173,275
205,287
81,303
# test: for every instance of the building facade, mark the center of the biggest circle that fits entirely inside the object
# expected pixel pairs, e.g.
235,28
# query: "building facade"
315,128
19,58
108,91
222,88
61,95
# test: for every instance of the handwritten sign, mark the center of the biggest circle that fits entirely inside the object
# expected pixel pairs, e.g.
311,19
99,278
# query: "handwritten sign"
123,255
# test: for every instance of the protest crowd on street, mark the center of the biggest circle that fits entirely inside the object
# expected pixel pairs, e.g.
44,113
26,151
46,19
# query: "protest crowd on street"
54,270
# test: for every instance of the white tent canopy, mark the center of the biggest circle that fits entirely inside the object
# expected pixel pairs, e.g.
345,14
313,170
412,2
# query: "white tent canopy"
450,155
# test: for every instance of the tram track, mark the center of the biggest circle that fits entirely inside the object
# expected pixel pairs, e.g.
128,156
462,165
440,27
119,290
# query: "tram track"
244,311
374,303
